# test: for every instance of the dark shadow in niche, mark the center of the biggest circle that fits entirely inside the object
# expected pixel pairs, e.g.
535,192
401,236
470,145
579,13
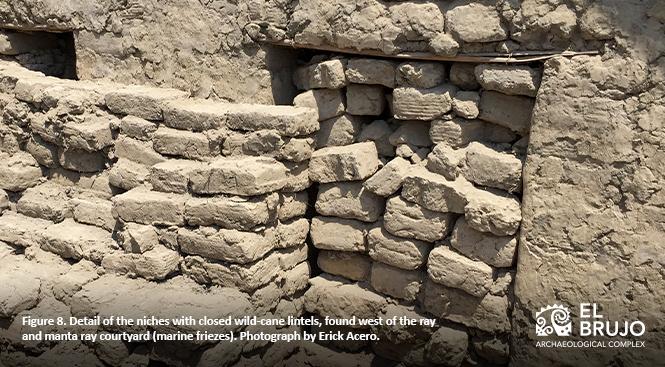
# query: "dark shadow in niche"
53,54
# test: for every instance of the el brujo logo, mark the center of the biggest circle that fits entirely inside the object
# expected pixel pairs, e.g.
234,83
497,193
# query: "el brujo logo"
554,319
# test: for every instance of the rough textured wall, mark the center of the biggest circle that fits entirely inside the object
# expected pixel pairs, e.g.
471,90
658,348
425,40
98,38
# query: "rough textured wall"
200,47
594,209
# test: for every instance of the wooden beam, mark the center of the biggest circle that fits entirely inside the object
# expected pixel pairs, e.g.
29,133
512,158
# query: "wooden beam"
511,58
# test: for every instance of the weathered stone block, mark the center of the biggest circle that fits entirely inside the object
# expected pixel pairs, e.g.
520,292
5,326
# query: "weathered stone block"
415,133
338,131
297,149
371,71
230,212
422,104
44,153
92,210
465,104
447,347
451,269
329,233
349,265
19,171
259,143
462,74
91,135
389,179
245,176
141,101
287,120
150,207
460,132
328,103
476,22
289,234
195,114
127,174
47,201
365,100
435,192
493,250
172,175
297,176
396,282
378,131
516,118
137,128
403,253
509,79
138,238
446,161
20,230
328,296
493,211
489,313
81,160
292,205
421,74
327,74
72,240
185,144
345,163
224,244
488,167
155,264
137,151
409,220
349,200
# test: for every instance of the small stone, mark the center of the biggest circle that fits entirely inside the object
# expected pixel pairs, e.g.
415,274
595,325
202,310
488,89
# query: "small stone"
349,200
345,163
371,71
409,220
403,253
328,103
95,211
20,230
465,104
388,179
224,244
91,135
460,132
493,250
327,74
422,104
47,201
233,212
338,131
454,270
517,118
328,296
492,348
330,233
405,151
155,264
488,167
44,153
512,80
396,282
447,347
72,240
349,265
365,100
421,74
292,205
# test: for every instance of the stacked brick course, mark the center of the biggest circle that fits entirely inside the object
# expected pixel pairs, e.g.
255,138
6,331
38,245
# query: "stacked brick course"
419,172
